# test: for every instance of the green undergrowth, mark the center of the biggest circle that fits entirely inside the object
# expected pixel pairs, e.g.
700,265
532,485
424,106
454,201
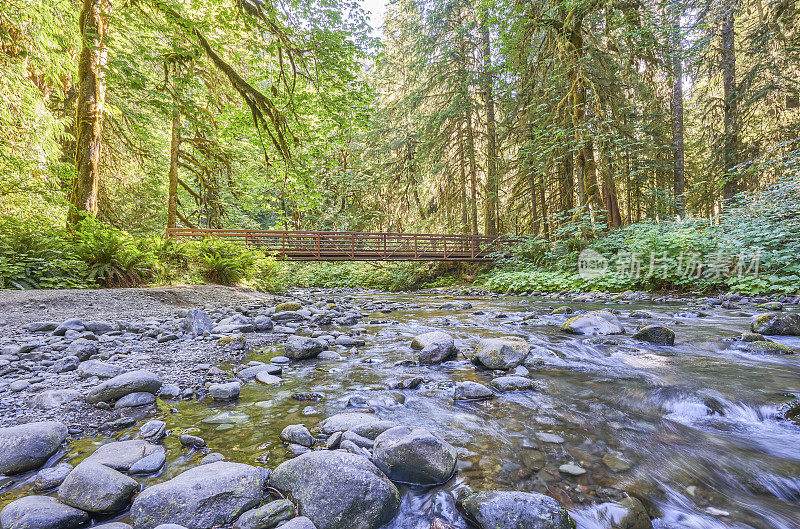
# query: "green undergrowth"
34,254
753,249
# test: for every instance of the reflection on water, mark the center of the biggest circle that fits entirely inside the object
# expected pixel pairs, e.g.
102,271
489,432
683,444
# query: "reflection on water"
691,428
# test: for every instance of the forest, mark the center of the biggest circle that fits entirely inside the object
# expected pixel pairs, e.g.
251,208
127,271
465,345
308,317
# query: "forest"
666,128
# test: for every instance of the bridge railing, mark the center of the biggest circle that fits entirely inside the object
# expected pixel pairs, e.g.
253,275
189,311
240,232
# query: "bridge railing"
333,246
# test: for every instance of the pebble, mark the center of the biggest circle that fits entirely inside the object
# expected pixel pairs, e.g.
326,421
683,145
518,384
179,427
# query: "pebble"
572,469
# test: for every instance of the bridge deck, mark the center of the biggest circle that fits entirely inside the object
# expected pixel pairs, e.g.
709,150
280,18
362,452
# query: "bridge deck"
354,246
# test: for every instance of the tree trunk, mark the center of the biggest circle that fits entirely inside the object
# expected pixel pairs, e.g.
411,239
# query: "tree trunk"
567,181
679,178
587,168
473,172
89,109
492,179
175,144
463,182
730,148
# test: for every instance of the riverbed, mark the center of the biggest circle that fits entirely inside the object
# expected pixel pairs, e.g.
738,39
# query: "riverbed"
691,429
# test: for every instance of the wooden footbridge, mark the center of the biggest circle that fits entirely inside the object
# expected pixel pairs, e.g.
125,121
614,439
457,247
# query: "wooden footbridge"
355,246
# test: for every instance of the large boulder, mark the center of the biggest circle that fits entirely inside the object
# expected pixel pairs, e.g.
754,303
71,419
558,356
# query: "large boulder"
40,512
121,385
516,510
122,455
202,497
656,334
338,490
28,446
302,347
97,489
501,353
596,322
414,455
777,324
434,347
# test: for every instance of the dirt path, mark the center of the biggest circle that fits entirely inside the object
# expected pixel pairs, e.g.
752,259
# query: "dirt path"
18,307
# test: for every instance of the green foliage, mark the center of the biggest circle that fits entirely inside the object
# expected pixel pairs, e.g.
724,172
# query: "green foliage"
223,263
35,255
753,248
382,276
112,257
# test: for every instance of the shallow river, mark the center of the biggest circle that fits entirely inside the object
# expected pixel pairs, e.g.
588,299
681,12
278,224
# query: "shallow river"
691,428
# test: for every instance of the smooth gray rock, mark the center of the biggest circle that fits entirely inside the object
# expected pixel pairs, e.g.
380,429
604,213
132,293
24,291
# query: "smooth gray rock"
202,497
192,441
170,392
297,434
153,430
96,368
267,379
148,464
469,390
73,324
121,385
97,489
301,522
266,516
434,347
112,525
197,322
302,347
346,421
65,364
40,326
227,391
501,353
512,383
19,385
596,322
83,348
41,512
213,457
54,398
414,455
262,323
50,478
656,334
133,400
516,510
121,455
371,430
29,446
338,490
100,327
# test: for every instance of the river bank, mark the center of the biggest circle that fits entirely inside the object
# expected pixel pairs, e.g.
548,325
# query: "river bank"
566,416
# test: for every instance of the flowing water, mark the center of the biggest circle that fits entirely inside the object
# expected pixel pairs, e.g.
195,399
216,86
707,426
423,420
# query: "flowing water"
691,428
